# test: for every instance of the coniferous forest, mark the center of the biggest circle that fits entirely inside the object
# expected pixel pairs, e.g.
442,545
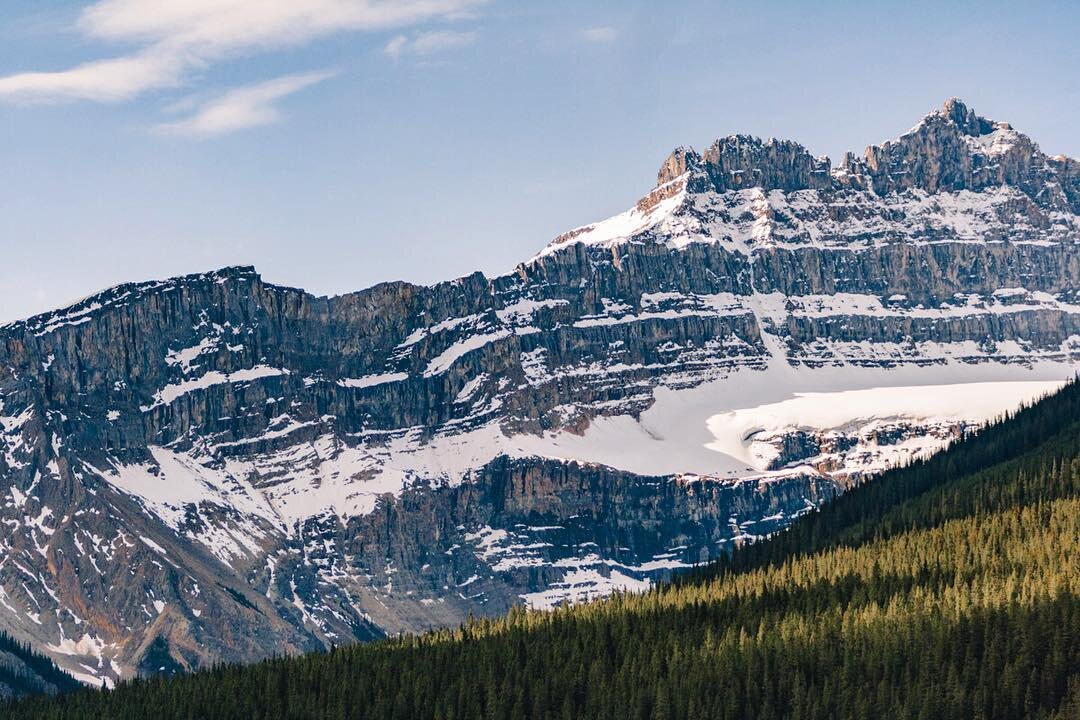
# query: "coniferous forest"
946,589
24,672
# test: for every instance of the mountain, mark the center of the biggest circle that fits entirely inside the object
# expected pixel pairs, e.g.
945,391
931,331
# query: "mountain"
214,468
947,589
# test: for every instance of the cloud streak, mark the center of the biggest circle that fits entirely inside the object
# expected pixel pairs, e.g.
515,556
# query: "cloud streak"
113,80
242,108
175,37
427,43
602,34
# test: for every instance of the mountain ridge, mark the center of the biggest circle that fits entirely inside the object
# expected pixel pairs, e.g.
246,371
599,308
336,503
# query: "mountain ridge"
682,160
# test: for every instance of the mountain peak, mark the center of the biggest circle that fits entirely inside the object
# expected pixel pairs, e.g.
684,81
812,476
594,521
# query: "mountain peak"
955,113
681,160
955,107
950,150
737,162
953,149
964,118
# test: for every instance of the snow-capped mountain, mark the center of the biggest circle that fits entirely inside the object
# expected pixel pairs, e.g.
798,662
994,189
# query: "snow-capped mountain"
214,467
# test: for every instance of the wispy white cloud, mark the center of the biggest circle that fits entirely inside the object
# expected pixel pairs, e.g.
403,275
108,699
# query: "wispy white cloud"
111,80
600,34
242,108
427,43
430,43
174,37
396,46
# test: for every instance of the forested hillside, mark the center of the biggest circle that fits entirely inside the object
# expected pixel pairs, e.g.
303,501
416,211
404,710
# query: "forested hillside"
948,589
24,672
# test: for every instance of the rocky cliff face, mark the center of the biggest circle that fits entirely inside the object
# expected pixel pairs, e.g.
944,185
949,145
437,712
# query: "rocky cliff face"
216,468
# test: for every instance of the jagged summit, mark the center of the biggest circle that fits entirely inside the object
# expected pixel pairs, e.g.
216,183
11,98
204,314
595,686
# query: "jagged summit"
742,161
954,149
979,170
956,112
942,152
964,118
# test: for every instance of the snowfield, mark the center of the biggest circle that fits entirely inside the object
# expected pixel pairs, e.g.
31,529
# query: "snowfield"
927,404
704,430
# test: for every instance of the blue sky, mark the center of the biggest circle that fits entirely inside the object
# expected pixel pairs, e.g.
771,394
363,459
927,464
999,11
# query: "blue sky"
338,143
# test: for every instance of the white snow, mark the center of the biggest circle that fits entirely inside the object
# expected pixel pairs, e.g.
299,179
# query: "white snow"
182,482
679,433
534,365
971,402
449,324
281,426
621,226
697,428
169,393
581,585
185,356
521,312
11,423
371,380
91,679
153,545
470,388
313,478
677,305
442,362
997,142
780,305
88,645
